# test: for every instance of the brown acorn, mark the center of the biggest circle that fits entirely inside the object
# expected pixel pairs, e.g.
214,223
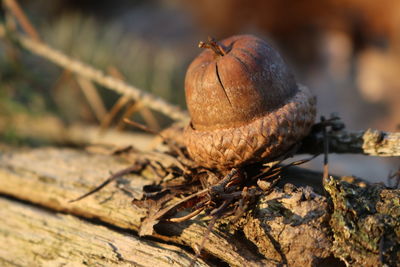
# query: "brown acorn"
244,103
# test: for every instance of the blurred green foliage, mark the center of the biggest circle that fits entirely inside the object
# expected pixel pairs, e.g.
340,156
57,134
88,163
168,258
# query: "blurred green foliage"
29,84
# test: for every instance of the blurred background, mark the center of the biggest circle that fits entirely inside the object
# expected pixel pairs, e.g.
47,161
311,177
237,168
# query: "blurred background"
346,51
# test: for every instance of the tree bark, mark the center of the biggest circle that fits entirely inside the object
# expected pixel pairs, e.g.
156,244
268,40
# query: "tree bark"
289,225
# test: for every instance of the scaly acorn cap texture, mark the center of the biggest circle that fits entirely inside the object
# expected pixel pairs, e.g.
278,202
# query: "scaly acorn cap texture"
244,103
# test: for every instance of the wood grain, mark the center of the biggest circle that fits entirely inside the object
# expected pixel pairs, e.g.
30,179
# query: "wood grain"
289,225
31,236
50,177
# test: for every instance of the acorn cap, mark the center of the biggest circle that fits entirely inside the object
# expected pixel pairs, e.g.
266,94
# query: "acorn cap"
261,140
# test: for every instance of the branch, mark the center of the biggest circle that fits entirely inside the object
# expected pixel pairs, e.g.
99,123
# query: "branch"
19,14
93,74
369,142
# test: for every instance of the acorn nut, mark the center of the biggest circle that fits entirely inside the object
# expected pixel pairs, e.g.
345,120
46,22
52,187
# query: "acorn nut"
244,103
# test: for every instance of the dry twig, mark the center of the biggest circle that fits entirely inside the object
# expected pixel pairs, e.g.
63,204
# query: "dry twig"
369,142
23,20
93,97
122,101
97,76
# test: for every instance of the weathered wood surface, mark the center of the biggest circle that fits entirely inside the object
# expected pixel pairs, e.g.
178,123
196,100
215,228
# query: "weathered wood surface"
51,177
31,236
290,226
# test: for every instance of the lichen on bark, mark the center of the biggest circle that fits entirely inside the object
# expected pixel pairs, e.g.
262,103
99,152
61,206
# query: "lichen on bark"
365,222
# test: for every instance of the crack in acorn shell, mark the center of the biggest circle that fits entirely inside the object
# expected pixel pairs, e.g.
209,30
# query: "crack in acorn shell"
248,82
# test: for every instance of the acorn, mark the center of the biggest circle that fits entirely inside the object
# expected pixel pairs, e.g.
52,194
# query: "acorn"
244,103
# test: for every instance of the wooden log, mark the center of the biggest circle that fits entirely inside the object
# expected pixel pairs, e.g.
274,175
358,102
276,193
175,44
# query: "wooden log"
290,225
31,236
51,177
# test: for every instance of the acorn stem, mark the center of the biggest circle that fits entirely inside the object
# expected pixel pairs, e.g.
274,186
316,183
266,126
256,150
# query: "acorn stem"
217,48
